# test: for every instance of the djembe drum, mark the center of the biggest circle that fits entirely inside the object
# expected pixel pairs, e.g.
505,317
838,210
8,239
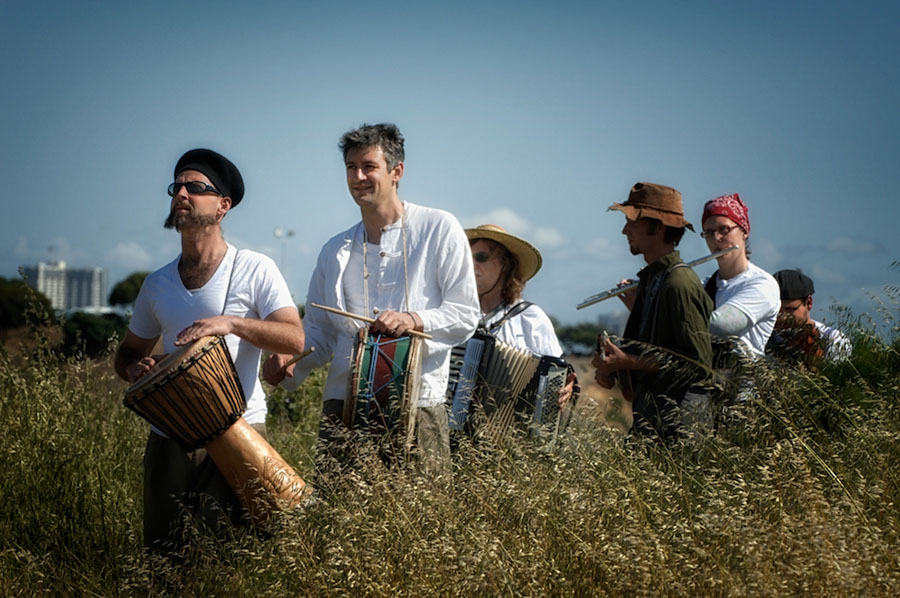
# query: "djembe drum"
195,397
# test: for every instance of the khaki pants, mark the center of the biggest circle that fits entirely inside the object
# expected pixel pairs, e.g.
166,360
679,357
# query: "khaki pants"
335,451
180,485
433,439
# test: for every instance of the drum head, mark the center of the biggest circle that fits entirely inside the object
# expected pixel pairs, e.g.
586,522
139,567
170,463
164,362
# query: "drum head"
171,362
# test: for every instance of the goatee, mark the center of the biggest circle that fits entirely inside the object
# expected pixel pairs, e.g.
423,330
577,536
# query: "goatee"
181,220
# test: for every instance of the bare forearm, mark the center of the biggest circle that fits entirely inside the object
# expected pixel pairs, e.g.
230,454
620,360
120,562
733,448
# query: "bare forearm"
124,358
277,337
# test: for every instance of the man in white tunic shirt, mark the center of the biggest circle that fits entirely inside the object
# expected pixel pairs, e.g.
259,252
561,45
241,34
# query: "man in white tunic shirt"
210,289
405,265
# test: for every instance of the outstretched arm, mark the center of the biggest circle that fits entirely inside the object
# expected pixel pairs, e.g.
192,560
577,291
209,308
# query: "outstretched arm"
280,332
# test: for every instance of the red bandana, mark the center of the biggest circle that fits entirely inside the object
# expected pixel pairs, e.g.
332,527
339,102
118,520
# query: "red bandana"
729,206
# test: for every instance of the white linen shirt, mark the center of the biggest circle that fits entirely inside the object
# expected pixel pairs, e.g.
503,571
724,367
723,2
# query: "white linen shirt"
441,286
530,329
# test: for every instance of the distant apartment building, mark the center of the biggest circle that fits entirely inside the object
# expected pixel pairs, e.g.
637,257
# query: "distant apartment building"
68,288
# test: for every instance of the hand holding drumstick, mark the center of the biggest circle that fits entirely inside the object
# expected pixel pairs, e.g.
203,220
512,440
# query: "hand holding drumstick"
280,366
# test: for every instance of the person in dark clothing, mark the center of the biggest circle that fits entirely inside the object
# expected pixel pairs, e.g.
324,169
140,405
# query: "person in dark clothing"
666,355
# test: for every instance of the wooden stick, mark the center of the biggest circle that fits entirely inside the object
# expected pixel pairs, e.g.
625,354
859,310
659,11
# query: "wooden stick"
299,357
366,319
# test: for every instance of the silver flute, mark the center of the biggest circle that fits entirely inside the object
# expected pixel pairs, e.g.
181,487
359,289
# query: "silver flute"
624,289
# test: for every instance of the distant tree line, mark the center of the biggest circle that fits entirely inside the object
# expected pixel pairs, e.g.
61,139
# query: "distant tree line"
92,334
21,305
578,338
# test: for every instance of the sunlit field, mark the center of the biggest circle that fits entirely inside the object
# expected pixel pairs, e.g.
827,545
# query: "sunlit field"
796,495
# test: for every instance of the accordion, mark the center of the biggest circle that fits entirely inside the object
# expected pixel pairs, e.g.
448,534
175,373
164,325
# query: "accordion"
492,384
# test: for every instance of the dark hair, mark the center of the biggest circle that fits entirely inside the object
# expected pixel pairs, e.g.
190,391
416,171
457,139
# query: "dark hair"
673,234
513,285
385,135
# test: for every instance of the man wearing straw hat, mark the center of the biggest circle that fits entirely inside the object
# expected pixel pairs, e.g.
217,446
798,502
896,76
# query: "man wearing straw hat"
503,264
210,289
407,266
666,355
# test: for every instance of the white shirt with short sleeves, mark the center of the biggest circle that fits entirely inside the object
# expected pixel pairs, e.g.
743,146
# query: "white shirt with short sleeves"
837,346
755,293
164,307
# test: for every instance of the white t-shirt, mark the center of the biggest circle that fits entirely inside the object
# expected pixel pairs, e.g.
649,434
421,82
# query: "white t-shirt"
755,293
530,329
837,346
164,307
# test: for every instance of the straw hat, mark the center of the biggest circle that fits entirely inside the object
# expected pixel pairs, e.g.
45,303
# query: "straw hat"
527,254
654,201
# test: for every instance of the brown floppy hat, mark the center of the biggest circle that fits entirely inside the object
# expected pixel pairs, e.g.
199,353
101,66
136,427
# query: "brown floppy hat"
649,200
529,257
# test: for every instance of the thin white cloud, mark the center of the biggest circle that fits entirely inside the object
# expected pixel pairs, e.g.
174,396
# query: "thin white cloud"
543,237
825,273
21,249
130,256
852,247
764,251
57,249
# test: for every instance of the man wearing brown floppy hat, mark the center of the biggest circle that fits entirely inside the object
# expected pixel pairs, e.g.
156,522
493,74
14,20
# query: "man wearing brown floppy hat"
666,353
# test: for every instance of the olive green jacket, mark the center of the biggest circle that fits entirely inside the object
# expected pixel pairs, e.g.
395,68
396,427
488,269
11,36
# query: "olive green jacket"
670,322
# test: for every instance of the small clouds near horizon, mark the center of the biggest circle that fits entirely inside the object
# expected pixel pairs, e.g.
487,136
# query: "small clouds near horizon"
765,252
131,256
57,249
542,237
847,246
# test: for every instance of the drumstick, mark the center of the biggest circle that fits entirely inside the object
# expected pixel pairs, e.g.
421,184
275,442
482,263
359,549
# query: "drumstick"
366,319
299,357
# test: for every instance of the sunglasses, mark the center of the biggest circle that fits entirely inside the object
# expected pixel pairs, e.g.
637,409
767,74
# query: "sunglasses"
481,257
192,187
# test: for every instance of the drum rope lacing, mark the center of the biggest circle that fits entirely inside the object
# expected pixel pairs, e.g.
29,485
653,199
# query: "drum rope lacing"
397,371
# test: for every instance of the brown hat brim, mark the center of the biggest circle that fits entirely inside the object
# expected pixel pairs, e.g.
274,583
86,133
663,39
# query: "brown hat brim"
529,257
636,211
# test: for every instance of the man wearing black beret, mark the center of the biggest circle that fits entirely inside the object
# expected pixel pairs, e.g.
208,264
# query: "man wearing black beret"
210,289
796,333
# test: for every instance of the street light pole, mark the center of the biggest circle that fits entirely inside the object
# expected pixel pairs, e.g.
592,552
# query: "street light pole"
284,235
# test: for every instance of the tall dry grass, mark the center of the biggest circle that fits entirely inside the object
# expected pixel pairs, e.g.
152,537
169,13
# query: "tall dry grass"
797,495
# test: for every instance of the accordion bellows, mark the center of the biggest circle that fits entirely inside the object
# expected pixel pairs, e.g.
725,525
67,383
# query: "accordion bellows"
491,381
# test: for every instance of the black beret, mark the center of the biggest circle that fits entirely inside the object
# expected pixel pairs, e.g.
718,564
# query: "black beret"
224,175
794,284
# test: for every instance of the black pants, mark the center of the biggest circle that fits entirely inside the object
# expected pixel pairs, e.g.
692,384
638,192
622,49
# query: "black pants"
658,415
180,485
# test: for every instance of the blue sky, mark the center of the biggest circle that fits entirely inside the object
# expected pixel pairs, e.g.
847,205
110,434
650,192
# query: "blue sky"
535,116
